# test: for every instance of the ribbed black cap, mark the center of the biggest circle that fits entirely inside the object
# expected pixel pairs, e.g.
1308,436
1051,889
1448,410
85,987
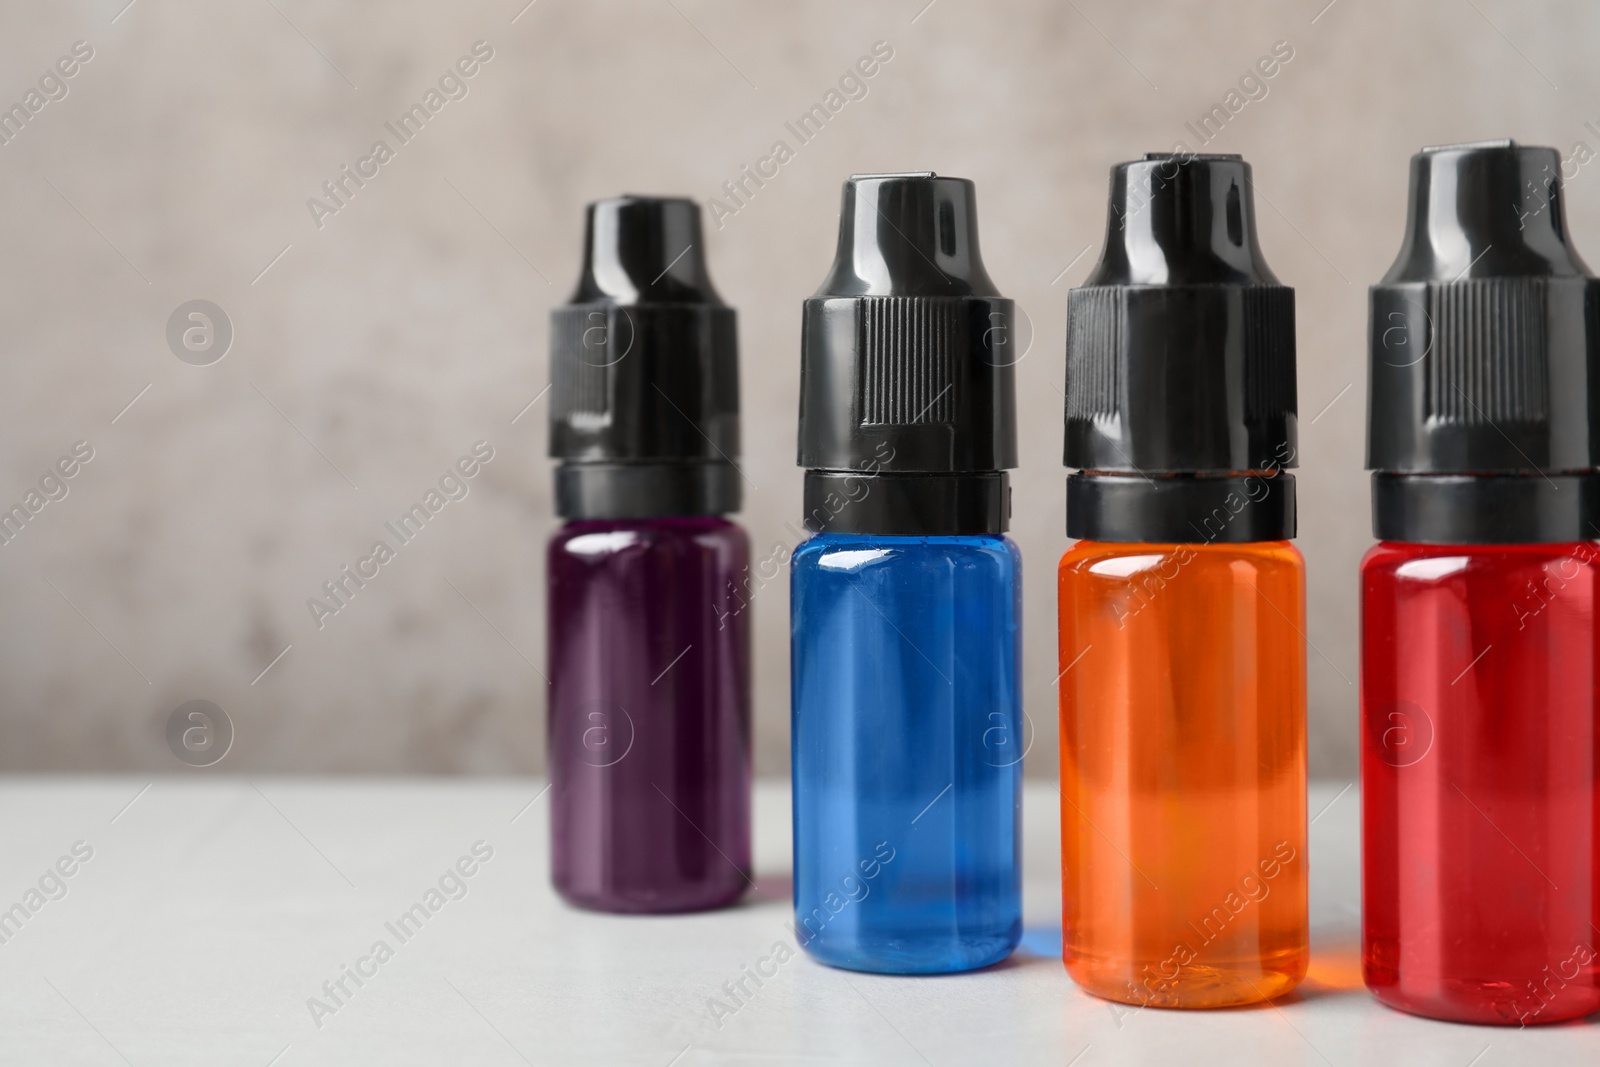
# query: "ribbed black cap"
644,413
1483,358
1180,364
906,382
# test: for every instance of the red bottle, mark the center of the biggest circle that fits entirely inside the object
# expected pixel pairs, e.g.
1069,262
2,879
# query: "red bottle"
1479,746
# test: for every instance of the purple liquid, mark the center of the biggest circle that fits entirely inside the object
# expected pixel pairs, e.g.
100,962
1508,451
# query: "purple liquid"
649,732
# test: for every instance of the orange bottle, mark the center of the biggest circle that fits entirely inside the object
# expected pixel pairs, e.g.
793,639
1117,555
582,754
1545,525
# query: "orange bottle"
1182,606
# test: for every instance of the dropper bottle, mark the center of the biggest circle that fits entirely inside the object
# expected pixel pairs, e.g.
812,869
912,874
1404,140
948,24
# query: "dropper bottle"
1182,605
649,642
907,716
1480,718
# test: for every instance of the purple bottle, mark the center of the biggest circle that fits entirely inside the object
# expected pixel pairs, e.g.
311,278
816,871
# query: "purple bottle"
649,729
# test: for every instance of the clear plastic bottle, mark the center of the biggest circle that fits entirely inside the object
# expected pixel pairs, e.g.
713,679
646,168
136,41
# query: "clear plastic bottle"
649,724
907,727
649,727
1183,836
1182,606
1480,737
907,748
1481,853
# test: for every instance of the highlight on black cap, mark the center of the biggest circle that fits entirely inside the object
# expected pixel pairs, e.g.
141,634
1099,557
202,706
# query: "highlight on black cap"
1483,347
907,234
906,367
644,411
1180,384
1181,219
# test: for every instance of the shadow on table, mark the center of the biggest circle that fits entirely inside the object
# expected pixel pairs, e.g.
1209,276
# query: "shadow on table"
771,889
1335,970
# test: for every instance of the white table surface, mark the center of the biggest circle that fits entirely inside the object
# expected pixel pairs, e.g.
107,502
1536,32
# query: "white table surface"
213,908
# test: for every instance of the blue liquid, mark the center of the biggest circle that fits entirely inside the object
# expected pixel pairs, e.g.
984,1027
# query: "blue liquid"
908,743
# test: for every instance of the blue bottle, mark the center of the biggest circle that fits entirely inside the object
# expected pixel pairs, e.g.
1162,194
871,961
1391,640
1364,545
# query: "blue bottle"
907,725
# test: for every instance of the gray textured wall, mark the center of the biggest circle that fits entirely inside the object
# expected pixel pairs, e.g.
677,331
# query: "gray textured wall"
391,335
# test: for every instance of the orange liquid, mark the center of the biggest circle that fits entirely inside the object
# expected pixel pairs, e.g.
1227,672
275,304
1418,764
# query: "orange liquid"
1183,771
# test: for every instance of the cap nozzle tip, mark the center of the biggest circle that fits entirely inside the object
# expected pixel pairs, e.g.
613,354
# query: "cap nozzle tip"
907,233
1181,218
1485,209
644,249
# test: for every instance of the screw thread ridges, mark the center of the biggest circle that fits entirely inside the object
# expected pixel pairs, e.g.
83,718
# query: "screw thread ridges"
1269,378
1095,320
1488,359
580,361
908,349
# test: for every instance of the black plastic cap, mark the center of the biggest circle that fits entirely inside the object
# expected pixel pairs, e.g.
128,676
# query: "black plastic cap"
644,413
906,364
1483,354
1180,358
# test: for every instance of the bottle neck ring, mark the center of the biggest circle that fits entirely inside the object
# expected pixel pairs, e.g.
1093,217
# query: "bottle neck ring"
1493,509
1187,508
907,505
646,490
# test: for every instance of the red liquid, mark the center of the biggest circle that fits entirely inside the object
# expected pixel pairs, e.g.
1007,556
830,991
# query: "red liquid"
1481,817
